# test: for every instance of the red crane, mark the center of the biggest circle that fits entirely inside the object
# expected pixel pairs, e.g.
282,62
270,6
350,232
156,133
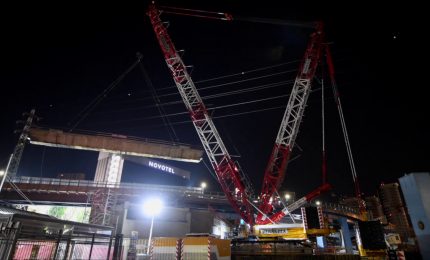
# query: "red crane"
233,182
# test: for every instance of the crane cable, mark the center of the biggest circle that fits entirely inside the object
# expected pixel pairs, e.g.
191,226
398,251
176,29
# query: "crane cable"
285,206
172,133
252,204
210,170
87,109
324,156
344,129
345,135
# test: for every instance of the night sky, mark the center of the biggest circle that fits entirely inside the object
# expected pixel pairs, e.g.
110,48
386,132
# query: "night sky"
58,59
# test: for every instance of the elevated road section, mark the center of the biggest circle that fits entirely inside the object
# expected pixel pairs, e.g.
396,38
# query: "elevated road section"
78,192
115,144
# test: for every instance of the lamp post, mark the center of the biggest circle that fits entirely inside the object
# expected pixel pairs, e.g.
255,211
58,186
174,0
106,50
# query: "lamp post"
151,208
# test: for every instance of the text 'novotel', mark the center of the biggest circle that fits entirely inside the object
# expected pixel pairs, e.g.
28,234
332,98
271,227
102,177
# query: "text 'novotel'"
161,167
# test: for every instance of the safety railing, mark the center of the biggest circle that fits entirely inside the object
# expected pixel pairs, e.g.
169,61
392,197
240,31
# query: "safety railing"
67,184
91,184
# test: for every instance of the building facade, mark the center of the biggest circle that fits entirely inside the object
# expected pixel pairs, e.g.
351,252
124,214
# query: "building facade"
109,168
394,209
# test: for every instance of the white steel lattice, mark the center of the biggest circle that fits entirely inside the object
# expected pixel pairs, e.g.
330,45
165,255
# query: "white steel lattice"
230,178
275,170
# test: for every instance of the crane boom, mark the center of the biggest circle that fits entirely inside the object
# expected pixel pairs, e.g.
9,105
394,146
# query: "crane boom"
227,173
233,181
275,170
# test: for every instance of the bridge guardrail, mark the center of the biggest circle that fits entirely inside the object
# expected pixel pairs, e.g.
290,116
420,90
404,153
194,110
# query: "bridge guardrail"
92,184
190,191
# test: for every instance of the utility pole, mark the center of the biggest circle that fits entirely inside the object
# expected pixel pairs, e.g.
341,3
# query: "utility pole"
19,148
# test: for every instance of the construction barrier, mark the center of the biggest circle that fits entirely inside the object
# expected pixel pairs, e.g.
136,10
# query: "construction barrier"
165,248
190,248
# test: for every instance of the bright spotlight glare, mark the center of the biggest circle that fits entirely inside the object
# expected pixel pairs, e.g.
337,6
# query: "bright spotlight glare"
203,185
318,203
1,172
152,206
287,196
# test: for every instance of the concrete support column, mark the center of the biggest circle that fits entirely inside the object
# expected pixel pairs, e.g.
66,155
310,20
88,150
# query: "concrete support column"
346,235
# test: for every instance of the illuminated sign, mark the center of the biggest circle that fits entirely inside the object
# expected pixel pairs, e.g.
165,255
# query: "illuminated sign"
160,166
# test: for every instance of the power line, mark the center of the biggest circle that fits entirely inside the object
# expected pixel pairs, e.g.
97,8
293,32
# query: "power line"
158,103
237,74
248,71
222,116
212,108
213,86
87,109
256,88
210,170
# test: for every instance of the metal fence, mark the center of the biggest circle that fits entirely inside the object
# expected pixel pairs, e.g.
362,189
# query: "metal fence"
35,236
67,247
58,183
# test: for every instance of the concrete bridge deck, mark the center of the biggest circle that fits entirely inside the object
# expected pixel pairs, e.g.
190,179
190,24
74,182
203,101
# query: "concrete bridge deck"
117,144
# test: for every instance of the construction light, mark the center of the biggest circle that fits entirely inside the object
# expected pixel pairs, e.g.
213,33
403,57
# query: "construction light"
287,196
1,172
152,206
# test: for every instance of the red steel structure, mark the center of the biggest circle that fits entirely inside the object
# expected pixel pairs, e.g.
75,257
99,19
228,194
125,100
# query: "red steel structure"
226,171
232,181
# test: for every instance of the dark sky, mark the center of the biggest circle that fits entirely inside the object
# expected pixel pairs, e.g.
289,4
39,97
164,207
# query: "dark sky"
57,59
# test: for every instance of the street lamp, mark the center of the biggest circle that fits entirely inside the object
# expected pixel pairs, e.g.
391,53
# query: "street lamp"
203,185
317,202
151,208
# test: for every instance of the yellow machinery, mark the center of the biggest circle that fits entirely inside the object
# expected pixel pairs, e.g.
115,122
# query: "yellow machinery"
281,231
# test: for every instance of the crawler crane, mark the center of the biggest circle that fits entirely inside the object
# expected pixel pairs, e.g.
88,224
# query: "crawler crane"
232,181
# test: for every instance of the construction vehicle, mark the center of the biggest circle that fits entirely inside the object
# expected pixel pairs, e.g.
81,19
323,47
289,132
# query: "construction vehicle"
233,182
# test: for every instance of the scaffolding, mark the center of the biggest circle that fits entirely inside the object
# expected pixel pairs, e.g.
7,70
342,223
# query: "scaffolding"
103,207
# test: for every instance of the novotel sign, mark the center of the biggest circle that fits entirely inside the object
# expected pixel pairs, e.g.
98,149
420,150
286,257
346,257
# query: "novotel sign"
160,166
164,167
